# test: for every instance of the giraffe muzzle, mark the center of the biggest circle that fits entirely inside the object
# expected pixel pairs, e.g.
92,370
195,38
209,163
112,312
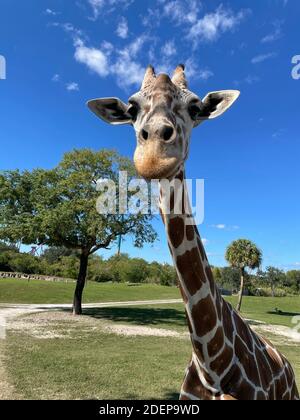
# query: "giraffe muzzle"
165,133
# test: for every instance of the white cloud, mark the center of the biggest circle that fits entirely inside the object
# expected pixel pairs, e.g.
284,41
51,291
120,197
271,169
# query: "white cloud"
51,12
70,29
120,63
126,68
93,58
249,80
275,35
263,57
72,86
128,72
107,47
152,18
205,241
213,25
96,6
222,226
164,64
169,49
219,226
194,72
122,29
181,11
106,6
56,78
279,133
203,74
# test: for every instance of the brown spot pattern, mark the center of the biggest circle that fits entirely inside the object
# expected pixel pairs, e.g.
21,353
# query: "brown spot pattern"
243,331
190,233
222,362
227,321
204,315
193,385
216,343
191,270
176,231
247,361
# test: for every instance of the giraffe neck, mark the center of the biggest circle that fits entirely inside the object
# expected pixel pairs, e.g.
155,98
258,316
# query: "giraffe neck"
202,299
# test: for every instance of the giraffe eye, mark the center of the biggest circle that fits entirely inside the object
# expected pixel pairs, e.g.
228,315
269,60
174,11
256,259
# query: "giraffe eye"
133,110
194,111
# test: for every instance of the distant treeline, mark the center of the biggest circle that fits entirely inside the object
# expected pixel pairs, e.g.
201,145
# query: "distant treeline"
64,263
61,262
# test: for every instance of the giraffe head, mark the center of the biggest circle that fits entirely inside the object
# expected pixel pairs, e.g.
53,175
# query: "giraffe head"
163,114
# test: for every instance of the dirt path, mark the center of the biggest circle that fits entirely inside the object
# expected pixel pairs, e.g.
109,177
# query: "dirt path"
47,307
10,311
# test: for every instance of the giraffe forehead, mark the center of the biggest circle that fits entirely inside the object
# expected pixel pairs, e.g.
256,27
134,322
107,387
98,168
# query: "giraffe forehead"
163,90
163,81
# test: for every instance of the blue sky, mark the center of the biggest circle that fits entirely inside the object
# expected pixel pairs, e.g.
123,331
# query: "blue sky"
61,53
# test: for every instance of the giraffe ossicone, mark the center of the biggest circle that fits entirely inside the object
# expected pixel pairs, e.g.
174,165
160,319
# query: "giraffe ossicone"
229,360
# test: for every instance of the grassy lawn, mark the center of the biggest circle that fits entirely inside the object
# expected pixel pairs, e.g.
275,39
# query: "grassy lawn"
85,362
21,291
263,309
173,317
37,291
65,358
100,366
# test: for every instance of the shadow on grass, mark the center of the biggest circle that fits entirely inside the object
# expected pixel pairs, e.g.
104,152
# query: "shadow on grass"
282,313
140,316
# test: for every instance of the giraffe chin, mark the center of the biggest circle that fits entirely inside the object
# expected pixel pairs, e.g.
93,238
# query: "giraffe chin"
153,166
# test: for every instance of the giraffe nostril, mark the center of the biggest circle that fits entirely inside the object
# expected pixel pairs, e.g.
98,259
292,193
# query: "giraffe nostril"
167,132
145,134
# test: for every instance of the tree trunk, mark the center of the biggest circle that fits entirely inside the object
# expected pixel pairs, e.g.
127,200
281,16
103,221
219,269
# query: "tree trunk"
273,289
77,302
239,305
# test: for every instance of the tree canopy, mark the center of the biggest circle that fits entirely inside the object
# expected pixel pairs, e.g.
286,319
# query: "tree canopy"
57,207
243,254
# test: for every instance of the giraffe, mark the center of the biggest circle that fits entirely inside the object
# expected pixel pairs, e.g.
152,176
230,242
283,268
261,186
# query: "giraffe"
229,360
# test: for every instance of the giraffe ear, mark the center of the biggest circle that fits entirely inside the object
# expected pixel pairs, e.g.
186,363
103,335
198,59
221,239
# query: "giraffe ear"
216,103
111,110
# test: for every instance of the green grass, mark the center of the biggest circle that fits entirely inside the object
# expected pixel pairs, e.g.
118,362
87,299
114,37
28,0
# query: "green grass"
99,366
263,309
173,316
37,291
91,364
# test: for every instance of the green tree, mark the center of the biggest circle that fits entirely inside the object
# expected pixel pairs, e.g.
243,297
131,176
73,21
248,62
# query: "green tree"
293,280
243,254
230,278
55,253
274,277
217,275
58,208
7,247
24,263
136,271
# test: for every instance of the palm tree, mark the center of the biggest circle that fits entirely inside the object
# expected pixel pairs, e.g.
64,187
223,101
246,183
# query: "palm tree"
243,254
